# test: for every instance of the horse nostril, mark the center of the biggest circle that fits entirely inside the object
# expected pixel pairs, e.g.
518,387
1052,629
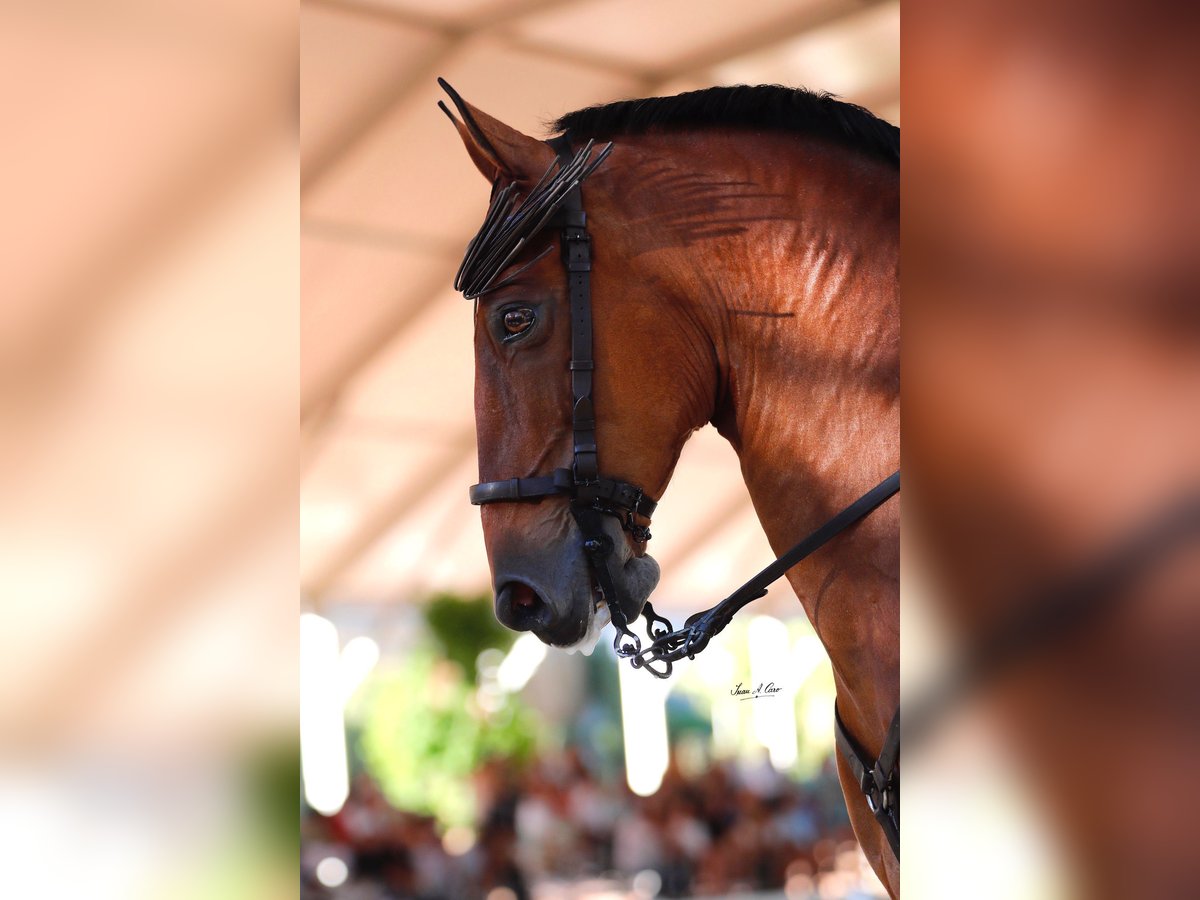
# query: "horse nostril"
519,607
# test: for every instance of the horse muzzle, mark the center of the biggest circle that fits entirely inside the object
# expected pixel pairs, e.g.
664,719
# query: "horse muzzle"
554,592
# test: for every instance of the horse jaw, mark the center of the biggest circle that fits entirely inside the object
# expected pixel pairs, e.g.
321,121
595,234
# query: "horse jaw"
640,577
586,644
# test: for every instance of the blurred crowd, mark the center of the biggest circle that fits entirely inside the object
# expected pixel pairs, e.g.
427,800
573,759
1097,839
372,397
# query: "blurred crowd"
726,830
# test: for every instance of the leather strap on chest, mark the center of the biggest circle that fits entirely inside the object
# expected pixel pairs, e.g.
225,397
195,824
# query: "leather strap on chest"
878,779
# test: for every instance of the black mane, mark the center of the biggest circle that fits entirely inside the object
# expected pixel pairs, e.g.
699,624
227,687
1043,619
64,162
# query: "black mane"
769,106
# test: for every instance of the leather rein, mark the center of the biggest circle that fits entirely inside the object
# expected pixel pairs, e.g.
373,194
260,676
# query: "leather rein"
593,496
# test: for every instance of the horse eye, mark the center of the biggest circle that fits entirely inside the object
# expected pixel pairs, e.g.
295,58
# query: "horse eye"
518,320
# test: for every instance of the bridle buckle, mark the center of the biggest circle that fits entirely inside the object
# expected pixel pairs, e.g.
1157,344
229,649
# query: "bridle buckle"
872,803
598,546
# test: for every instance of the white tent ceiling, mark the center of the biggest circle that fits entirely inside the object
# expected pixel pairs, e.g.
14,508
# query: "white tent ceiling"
389,200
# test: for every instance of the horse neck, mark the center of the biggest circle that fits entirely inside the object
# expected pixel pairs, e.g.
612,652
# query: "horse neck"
806,326
810,334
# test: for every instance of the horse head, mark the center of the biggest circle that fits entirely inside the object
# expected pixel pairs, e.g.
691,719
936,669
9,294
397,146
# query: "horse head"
643,405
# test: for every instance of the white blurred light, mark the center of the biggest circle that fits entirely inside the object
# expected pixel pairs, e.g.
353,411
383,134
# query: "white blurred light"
520,664
711,569
322,728
332,872
719,665
647,884
489,697
818,719
718,676
644,725
405,551
358,658
799,887
969,766
116,839
458,839
774,714
488,662
328,519
808,654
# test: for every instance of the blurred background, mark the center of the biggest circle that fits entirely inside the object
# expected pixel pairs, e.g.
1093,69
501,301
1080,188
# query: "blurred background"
443,758
1051,358
151,373
149,348
467,763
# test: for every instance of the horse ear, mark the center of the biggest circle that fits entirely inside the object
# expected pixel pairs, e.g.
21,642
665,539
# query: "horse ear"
496,149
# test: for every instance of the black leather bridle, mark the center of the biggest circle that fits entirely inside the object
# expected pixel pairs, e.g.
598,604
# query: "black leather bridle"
593,496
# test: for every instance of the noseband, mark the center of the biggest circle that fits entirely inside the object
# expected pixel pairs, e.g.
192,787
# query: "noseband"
558,202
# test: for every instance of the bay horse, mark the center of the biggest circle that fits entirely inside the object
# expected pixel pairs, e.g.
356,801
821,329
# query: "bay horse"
743,250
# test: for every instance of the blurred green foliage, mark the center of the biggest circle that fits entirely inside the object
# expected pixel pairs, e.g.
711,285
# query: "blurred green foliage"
423,735
272,778
463,627
422,731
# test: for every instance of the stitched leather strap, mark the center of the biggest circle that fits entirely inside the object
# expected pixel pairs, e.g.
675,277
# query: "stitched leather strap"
619,494
593,496
522,488
879,779
700,628
577,260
